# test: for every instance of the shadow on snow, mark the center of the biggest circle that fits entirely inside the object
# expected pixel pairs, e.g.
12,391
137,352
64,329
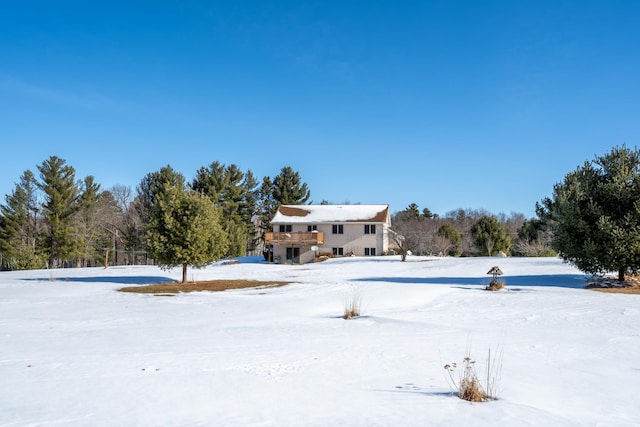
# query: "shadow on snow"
122,280
574,281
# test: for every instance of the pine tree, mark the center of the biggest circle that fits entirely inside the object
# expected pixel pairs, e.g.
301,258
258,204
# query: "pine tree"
19,226
57,182
88,229
266,209
288,188
248,210
595,214
152,185
184,229
235,193
413,211
490,236
210,181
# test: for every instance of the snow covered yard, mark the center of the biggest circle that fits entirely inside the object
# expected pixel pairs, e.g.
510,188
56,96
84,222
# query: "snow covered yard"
75,352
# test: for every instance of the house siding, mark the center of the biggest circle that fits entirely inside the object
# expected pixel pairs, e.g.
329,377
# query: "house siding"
353,240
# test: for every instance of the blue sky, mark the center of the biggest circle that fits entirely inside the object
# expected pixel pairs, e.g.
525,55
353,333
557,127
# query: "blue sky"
467,104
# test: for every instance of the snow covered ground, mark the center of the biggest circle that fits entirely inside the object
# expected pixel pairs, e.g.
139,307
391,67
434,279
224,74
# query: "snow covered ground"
75,352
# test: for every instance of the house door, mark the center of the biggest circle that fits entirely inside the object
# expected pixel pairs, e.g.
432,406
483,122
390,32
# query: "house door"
293,255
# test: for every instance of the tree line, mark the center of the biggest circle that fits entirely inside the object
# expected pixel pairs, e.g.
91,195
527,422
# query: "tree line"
54,220
469,232
592,219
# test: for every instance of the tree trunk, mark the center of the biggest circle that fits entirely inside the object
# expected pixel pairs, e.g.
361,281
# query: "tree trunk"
621,271
184,273
489,246
403,252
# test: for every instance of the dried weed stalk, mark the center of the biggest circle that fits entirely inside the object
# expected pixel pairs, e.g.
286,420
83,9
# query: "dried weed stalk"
464,379
353,306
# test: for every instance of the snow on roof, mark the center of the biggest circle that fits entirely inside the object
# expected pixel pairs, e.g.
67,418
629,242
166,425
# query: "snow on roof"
292,214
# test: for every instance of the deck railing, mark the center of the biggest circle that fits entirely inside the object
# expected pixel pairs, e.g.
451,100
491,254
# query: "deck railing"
295,238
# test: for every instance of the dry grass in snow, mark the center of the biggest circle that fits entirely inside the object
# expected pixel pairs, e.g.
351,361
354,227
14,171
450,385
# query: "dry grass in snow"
209,285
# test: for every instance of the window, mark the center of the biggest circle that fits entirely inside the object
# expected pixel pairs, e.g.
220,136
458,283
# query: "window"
338,251
338,229
285,228
312,228
373,251
366,251
369,229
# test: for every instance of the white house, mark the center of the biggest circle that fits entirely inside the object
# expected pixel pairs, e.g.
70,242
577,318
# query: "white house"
301,232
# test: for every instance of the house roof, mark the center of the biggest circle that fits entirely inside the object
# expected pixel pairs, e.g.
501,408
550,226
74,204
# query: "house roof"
310,214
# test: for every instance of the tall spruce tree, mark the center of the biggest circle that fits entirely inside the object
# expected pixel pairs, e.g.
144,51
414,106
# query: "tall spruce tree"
87,226
19,226
266,208
184,229
152,185
235,193
57,182
595,214
248,210
288,188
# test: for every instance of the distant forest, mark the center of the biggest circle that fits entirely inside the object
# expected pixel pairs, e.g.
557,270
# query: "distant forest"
53,219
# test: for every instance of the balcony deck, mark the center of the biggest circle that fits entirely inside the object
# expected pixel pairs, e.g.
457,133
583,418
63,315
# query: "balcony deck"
295,238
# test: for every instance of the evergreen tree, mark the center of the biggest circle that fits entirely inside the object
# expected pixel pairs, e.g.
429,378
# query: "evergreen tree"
266,208
87,227
595,214
534,239
412,211
490,236
184,229
447,239
152,185
239,200
211,181
426,213
235,193
248,210
19,226
57,182
288,188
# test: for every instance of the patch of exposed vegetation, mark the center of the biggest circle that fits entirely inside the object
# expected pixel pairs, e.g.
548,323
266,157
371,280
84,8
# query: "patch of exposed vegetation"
495,285
352,309
631,285
166,289
618,289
